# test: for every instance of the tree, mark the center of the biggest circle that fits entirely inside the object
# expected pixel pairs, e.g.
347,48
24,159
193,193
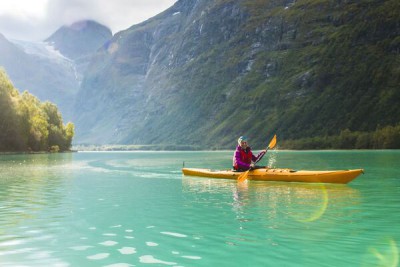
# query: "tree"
69,134
27,124
10,132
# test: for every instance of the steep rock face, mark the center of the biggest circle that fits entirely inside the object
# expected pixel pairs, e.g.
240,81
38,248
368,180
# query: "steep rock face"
133,77
204,72
80,39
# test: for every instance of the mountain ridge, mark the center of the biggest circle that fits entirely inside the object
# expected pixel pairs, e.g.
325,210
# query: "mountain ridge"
48,69
203,73
79,39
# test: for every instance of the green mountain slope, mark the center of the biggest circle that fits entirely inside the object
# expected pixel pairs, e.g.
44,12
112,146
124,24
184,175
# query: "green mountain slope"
204,72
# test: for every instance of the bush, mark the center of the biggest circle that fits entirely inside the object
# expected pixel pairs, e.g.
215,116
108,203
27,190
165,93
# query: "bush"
54,149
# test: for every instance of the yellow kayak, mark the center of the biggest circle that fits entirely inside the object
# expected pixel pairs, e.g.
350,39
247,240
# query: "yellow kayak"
283,175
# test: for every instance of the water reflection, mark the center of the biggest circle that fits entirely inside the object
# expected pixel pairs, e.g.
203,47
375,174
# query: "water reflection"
276,215
29,184
279,201
32,188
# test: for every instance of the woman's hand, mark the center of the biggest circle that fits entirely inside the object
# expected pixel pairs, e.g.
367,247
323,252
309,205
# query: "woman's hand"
252,165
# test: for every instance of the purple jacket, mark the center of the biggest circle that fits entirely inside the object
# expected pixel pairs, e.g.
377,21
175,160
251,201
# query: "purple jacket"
239,161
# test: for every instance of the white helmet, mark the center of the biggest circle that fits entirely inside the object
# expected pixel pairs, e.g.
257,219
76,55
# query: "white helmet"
241,139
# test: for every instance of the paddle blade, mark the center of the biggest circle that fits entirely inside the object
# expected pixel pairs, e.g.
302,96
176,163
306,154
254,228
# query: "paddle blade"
243,177
272,144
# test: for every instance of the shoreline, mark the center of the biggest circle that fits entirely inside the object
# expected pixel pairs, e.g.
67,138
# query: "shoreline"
34,152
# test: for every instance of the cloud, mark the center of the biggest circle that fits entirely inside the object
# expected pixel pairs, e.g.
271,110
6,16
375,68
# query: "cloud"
19,28
117,15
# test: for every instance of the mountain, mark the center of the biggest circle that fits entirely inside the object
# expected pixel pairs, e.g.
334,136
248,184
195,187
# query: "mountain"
79,39
204,72
39,69
53,70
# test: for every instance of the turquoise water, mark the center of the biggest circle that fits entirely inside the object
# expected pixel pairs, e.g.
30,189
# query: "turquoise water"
136,209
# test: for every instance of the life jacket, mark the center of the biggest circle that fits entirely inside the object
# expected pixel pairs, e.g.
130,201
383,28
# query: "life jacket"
246,156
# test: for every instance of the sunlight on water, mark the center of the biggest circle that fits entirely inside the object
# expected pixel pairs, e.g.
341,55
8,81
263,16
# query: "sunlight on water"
151,259
127,250
119,265
383,253
318,198
135,209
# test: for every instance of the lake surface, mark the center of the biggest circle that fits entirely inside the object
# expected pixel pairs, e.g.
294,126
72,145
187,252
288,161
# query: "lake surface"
136,209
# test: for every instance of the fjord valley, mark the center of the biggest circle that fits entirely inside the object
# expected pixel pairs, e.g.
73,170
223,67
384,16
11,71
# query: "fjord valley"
319,73
314,78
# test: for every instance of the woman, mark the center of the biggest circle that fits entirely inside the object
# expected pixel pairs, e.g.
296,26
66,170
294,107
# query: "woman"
243,158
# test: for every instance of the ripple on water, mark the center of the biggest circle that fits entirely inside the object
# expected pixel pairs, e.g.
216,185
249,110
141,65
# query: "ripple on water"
98,256
40,255
173,234
12,242
17,251
80,248
151,244
108,243
119,265
109,234
127,250
192,257
150,259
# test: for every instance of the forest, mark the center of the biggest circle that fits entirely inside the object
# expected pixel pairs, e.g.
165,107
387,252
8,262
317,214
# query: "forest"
29,125
387,137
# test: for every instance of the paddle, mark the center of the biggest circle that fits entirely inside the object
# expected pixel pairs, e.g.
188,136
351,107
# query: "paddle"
243,176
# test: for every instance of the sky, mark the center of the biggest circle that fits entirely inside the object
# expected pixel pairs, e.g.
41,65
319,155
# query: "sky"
35,20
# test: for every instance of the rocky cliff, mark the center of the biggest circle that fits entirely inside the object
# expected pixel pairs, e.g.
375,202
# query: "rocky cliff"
79,39
204,72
